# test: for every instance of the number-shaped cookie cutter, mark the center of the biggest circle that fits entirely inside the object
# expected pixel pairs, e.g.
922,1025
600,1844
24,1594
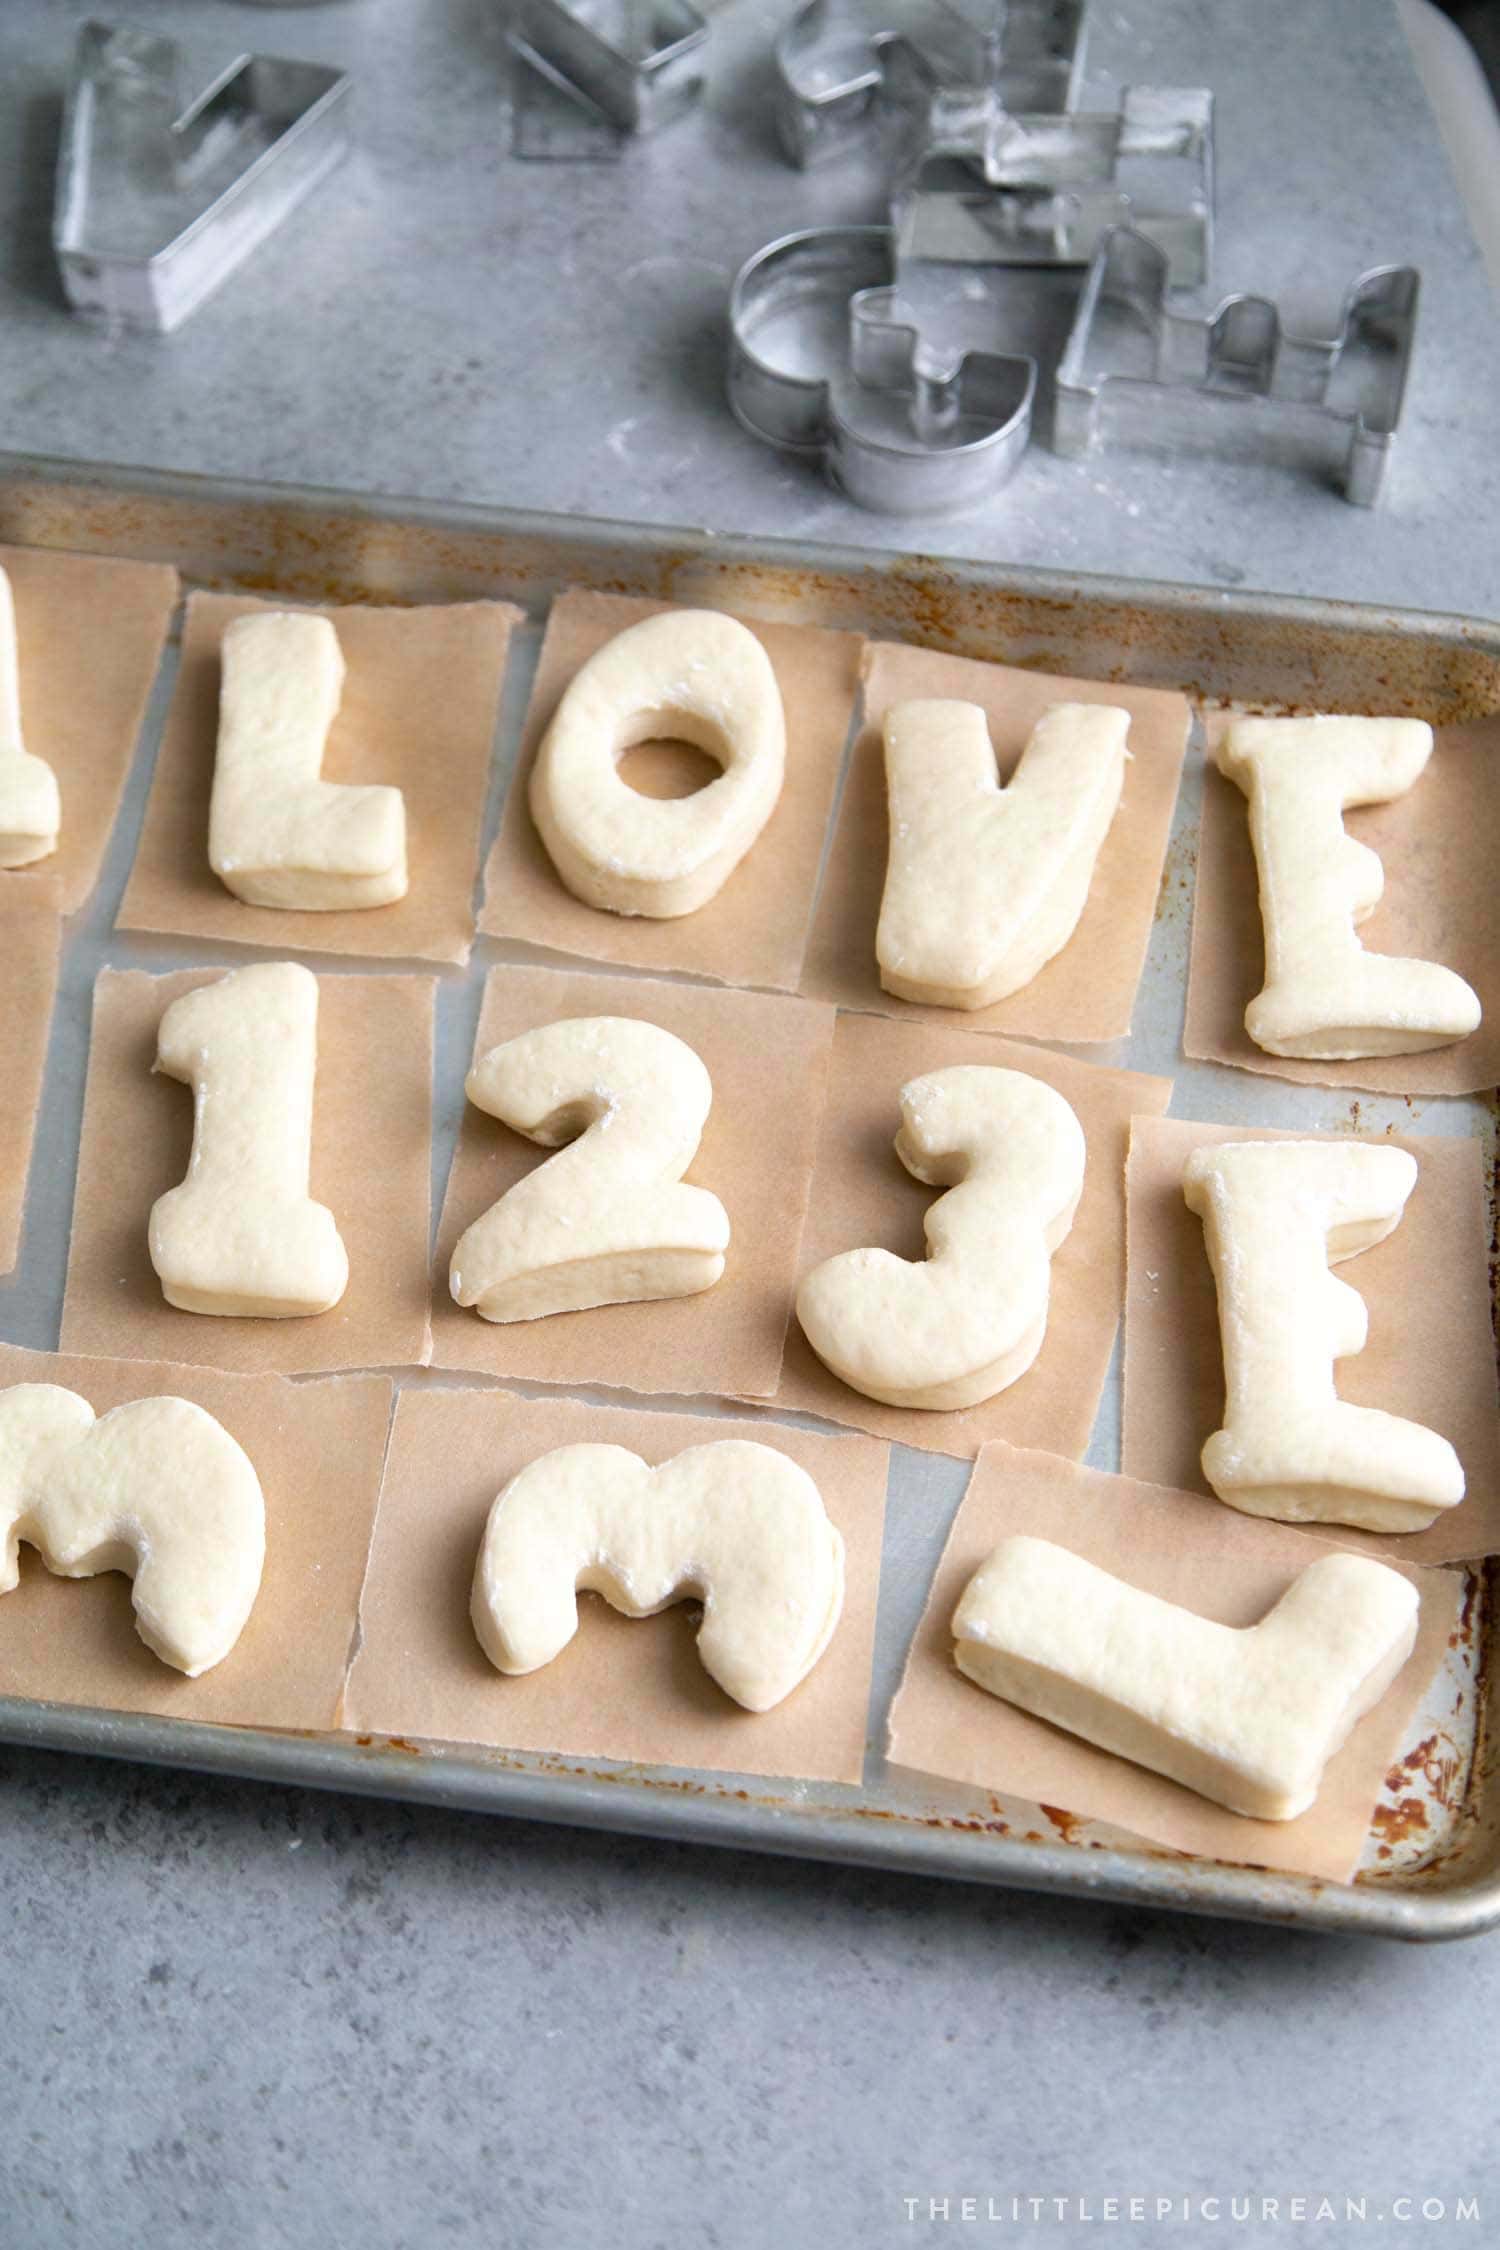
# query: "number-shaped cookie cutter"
827,361
627,68
158,203
1237,381
986,185
841,64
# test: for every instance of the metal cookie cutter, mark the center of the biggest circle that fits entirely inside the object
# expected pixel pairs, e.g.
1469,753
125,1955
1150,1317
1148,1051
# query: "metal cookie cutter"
985,185
157,204
830,360
841,63
591,75
1236,382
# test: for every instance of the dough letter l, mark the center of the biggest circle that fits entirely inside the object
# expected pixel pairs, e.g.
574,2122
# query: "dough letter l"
1275,1215
984,885
1248,1717
278,834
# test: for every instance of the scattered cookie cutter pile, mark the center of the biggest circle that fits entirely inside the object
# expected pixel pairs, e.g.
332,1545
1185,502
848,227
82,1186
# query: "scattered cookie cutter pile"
157,201
832,360
906,356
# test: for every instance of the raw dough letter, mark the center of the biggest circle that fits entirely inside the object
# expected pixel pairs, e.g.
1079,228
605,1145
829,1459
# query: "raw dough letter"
1275,1215
278,834
241,1234
692,674
735,1525
605,1222
1247,1717
156,1488
984,885
1325,998
30,810
971,1320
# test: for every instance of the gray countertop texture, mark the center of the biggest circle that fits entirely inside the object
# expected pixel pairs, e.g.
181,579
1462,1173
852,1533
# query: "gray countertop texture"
239,2015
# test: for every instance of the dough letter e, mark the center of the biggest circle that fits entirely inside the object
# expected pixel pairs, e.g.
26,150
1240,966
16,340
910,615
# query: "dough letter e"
1248,1717
984,885
1325,998
969,1321
1275,1215
278,834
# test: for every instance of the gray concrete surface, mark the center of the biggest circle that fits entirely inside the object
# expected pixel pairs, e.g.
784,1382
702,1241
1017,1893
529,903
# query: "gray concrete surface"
235,2015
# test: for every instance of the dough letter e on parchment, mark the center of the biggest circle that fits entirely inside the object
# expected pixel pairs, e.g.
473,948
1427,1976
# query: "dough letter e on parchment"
157,1488
241,1235
985,884
970,1320
1246,1716
734,1525
30,806
693,675
607,1220
278,834
1325,998
1275,1215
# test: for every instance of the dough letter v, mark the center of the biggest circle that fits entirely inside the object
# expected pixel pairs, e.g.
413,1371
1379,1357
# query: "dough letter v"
983,884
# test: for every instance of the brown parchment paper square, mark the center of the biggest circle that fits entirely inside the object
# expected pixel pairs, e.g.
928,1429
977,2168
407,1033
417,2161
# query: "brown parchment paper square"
625,1688
421,699
89,636
1440,846
755,931
29,940
317,1449
1220,1564
768,1060
1429,1356
371,1160
863,1194
1086,993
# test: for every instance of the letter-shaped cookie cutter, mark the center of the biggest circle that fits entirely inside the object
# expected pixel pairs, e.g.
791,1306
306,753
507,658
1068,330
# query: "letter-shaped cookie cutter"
1237,376
827,361
841,63
988,186
626,69
158,203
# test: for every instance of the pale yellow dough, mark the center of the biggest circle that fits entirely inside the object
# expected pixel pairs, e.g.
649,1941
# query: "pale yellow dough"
736,1525
1249,1717
969,1321
30,806
241,1236
691,675
1325,998
278,834
1275,1215
156,1488
985,884
606,1222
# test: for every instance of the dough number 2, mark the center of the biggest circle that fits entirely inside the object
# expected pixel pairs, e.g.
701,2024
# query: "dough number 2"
605,1222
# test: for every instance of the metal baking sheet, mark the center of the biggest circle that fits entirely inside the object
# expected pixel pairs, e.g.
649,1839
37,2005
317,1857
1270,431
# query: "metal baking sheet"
1432,1864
